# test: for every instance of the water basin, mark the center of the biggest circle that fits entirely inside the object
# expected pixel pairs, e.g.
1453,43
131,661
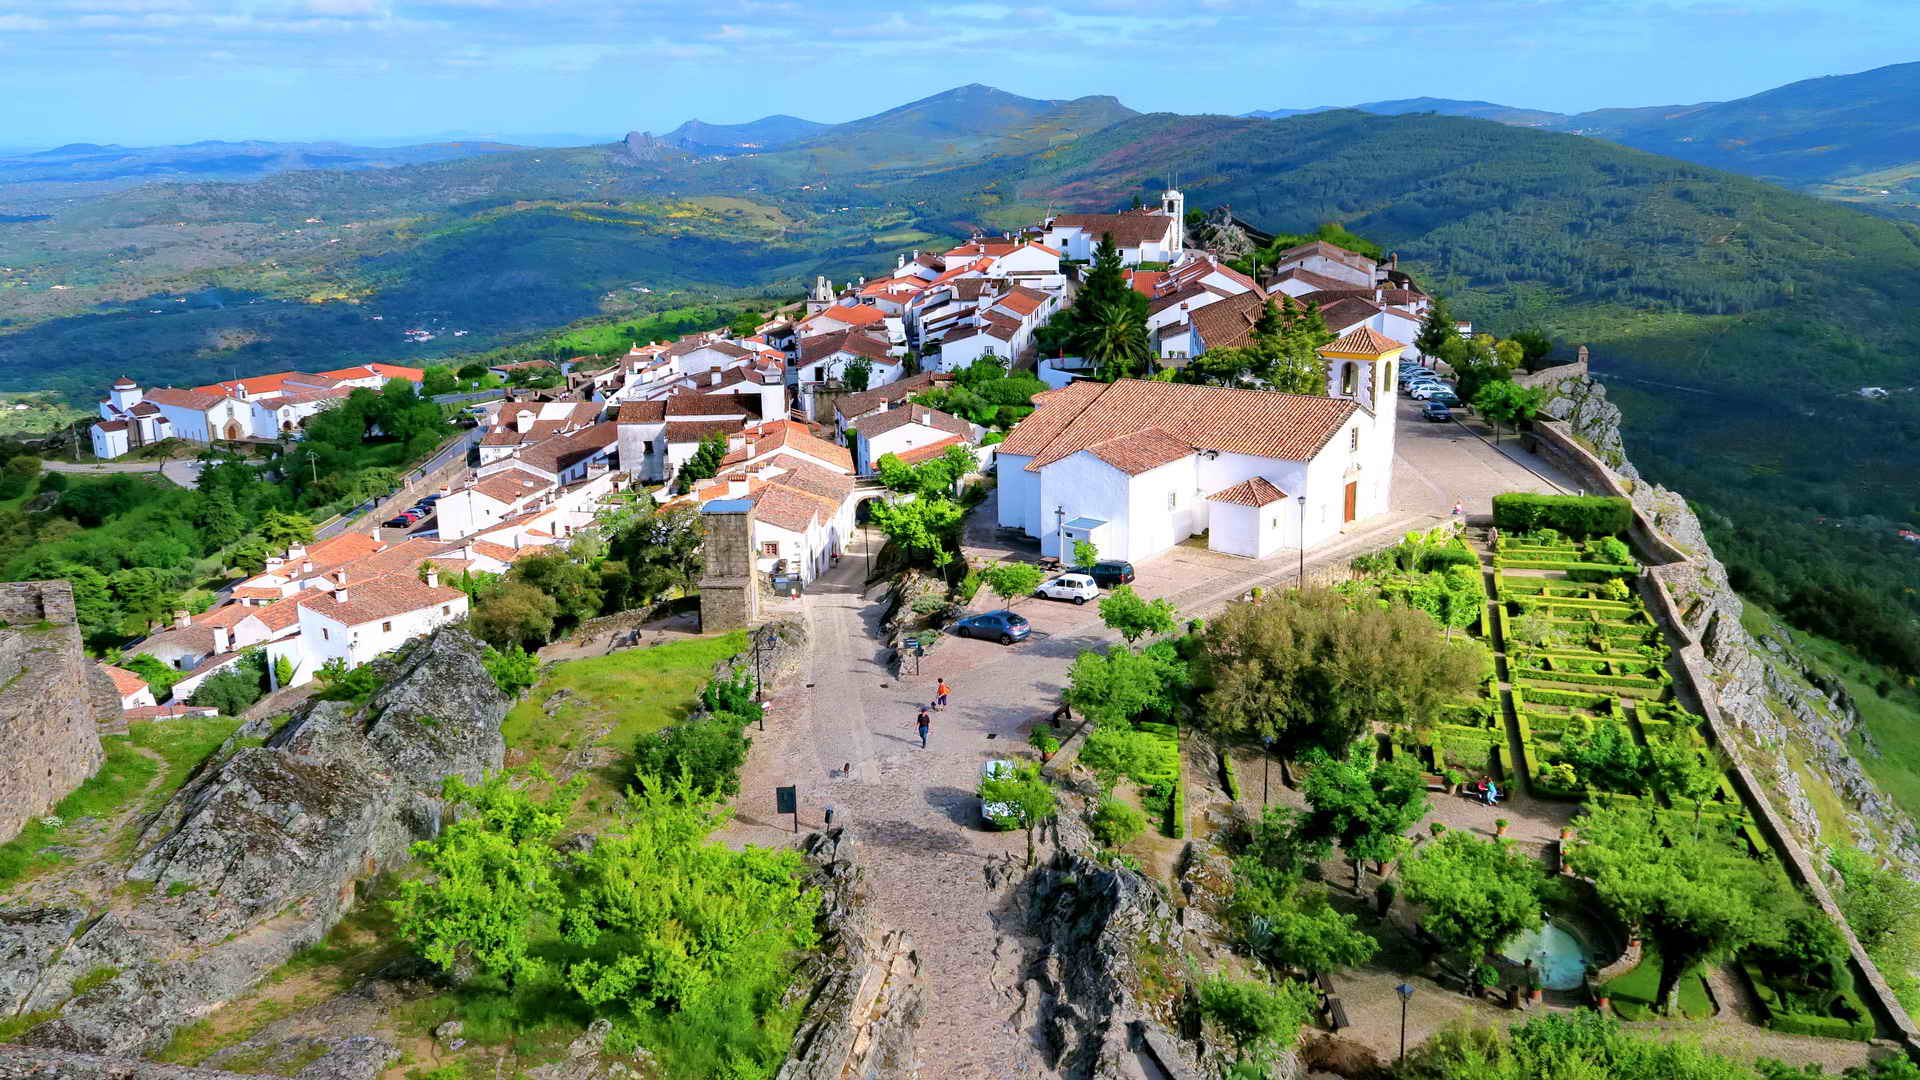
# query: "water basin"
1557,952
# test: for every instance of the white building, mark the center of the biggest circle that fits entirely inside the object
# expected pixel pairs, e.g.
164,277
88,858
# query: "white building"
355,621
911,432
1156,234
1138,466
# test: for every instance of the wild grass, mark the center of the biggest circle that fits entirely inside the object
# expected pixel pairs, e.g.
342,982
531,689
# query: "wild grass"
633,693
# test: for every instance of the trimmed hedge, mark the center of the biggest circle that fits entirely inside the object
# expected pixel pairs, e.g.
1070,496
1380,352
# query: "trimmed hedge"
1227,778
1827,1027
1630,682
1176,826
1575,515
1575,571
1547,695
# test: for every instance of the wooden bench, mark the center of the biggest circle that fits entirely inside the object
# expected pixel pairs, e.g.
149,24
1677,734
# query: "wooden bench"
1337,1016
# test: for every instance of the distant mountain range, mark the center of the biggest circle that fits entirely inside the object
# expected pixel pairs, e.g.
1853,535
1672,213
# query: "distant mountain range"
1852,137
766,133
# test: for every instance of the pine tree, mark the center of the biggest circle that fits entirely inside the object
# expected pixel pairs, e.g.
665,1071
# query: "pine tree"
1436,330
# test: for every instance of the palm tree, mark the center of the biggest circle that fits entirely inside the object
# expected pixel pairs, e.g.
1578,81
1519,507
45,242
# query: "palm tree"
1116,342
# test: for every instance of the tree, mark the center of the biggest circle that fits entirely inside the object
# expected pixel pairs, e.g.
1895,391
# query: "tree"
1011,581
566,575
1282,354
1030,800
707,752
1305,932
1311,670
668,919
1534,346
231,691
659,550
1694,897
282,671
858,372
1120,684
1364,805
1436,329
1477,893
1123,610
1261,1020
1085,554
517,614
514,669
927,527
1114,750
281,530
492,874
143,593
437,379
1883,908
1504,401
1115,823
704,464
1115,342
218,520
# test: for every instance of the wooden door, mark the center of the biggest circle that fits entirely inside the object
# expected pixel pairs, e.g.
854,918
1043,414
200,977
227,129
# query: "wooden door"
1353,501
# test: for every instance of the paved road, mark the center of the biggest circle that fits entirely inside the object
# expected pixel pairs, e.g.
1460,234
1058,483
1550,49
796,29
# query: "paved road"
186,472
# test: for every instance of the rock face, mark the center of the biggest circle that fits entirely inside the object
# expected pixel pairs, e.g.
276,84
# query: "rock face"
52,699
1583,404
865,993
260,856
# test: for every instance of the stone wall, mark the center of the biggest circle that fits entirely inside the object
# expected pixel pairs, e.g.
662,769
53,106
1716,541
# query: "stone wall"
729,593
52,700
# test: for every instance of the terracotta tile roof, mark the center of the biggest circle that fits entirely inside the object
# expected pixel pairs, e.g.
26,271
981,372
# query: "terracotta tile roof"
1184,294
1365,342
855,405
381,598
111,425
1146,282
691,404
343,548
796,472
509,485
385,371
848,315
563,452
930,451
1129,229
1261,423
775,435
255,592
1343,315
791,508
847,341
284,613
1331,251
227,615
1228,322
264,384
184,399
692,431
880,423
145,408
1256,491
1307,277
643,412
1140,451
523,365
124,682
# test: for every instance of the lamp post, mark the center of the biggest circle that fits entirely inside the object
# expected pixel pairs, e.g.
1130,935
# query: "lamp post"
1059,541
1266,767
1406,994
1303,542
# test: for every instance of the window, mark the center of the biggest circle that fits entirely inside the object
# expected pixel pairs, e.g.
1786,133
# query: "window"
771,549
1353,440
386,628
1173,499
1349,379
446,609
323,634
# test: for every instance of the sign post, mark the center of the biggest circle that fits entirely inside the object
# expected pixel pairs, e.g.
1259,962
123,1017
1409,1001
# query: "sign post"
786,800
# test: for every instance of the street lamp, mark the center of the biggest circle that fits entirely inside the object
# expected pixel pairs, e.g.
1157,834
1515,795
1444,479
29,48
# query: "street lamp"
1059,541
1266,766
1303,542
1406,994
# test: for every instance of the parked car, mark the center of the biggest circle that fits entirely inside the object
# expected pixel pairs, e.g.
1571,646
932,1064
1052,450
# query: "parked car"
399,521
429,500
1108,573
1078,588
996,815
1447,398
1434,412
1002,626
1426,391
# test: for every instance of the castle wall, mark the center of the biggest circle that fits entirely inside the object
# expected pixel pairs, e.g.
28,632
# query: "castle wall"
52,697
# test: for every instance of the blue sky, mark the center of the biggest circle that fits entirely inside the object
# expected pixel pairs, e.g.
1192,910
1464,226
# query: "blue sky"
159,71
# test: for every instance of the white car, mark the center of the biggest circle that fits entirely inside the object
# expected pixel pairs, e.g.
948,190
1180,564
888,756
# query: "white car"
997,815
1427,390
1078,588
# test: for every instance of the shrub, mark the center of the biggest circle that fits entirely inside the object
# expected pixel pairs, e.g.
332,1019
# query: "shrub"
1575,515
709,751
1115,823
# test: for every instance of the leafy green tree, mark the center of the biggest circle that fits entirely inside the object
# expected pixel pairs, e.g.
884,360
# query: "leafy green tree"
1030,798
491,876
1311,670
659,549
1133,617
566,575
1085,553
1261,1020
1507,402
1112,751
668,919
514,669
249,556
282,671
1301,931
94,606
1694,897
1282,354
1437,329
143,593
1122,684
1011,581
515,615
1364,805
1477,893
219,520
1883,908
1534,346
1115,342
857,373
928,528
159,676
437,379
704,464
280,530
1115,823
707,751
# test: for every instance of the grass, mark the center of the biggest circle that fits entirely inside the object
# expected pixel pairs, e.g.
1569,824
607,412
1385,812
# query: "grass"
1633,993
122,778
1892,721
629,694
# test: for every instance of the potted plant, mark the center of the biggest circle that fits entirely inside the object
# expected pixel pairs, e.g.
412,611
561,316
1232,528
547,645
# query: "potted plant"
1454,780
1436,827
1384,895
1566,832
1044,741
1534,991
1500,826
1485,978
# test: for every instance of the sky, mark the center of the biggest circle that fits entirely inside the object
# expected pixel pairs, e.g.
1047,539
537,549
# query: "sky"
149,72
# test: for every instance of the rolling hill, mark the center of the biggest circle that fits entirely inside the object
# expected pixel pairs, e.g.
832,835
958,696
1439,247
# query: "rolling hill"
766,133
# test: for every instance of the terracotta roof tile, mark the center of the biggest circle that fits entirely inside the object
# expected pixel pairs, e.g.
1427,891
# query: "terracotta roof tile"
880,423
642,412
1140,451
1129,229
692,431
124,681
1228,322
1256,491
1261,423
1365,342
381,598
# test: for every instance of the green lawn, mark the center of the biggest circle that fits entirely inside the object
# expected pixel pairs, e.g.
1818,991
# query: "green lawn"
126,775
1633,993
627,694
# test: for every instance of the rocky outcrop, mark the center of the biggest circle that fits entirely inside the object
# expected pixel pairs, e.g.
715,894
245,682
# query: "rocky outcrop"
863,982
1595,421
775,651
260,856
643,148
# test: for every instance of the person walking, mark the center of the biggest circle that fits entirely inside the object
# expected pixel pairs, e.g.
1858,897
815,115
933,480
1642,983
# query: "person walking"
923,723
940,692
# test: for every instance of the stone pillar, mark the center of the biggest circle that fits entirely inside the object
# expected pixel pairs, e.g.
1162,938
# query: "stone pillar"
729,595
52,699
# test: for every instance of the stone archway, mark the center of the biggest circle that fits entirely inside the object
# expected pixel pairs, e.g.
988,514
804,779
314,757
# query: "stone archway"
233,430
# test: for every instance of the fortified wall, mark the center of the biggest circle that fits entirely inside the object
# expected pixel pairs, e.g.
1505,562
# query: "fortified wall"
52,698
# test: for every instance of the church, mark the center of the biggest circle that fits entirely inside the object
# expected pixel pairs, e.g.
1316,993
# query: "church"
1138,466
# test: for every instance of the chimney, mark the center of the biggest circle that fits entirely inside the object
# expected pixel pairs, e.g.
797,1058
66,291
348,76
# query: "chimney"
433,577
736,488
523,420
516,541
1379,294
221,640
296,552
306,566
466,551
340,576
182,620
